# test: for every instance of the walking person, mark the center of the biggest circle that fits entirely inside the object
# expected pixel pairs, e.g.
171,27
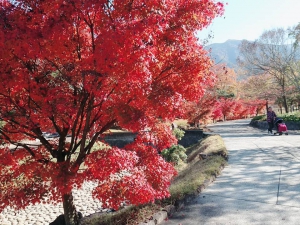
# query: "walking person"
271,115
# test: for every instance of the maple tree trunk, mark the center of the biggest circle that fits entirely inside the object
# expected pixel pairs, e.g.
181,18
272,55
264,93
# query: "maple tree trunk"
70,214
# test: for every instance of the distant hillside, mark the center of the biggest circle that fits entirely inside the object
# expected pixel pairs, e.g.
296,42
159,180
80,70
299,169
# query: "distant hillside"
226,52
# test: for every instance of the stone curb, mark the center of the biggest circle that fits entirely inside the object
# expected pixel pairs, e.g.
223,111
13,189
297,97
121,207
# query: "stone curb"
169,210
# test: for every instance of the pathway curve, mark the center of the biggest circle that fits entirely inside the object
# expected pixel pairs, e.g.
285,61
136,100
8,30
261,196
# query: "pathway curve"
261,184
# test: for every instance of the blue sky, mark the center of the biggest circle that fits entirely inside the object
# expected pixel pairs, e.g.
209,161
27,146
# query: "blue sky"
248,19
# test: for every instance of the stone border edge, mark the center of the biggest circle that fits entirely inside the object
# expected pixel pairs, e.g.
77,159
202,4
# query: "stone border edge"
169,210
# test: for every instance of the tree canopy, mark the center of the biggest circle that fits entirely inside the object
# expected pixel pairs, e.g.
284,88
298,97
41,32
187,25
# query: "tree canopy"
275,52
77,67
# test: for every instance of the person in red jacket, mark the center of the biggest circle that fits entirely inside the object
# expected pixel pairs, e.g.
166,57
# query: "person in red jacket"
271,116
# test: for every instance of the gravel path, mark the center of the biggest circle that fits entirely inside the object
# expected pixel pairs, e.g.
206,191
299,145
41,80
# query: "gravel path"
43,214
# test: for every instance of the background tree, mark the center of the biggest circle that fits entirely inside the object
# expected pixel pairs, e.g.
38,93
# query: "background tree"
78,67
225,86
226,82
294,67
227,107
273,53
202,109
217,112
260,87
246,108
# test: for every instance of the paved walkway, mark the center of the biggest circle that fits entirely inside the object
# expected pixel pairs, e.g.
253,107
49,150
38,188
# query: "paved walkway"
261,184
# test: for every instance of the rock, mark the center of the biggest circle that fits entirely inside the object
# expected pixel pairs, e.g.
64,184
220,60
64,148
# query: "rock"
5,222
170,209
160,217
39,223
150,222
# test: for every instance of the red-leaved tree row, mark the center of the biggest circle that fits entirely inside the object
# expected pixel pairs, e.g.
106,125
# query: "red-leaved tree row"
212,108
228,98
228,109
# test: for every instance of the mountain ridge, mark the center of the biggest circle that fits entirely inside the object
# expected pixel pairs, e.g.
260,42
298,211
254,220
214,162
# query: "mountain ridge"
226,52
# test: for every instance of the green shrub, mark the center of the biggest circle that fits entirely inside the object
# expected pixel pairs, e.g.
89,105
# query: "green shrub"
174,154
260,118
293,118
178,133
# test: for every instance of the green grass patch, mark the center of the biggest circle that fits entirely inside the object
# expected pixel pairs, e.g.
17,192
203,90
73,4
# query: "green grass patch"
189,180
192,175
211,145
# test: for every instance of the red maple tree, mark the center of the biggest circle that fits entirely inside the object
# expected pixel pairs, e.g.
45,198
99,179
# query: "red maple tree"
77,67
226,106
217,112
201,110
